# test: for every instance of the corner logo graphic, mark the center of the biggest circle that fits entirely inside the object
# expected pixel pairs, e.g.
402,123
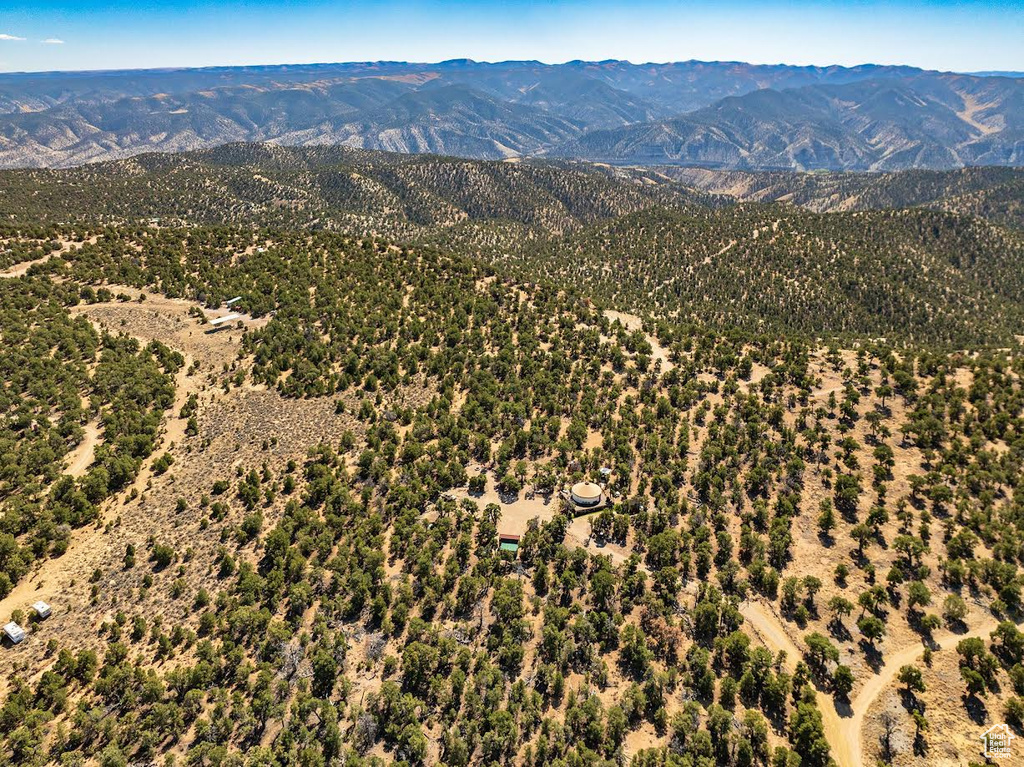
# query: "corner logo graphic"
997,741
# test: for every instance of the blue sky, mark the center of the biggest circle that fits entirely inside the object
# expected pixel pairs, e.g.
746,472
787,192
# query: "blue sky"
105,34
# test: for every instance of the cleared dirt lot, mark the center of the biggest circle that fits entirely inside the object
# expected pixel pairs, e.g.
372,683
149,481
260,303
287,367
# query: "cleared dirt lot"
515,515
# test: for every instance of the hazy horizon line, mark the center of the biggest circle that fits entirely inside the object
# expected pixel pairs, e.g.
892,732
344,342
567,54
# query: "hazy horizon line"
500,62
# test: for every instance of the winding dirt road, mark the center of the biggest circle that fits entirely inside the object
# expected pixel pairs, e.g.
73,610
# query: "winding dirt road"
81,458
844,734
845,749
48,578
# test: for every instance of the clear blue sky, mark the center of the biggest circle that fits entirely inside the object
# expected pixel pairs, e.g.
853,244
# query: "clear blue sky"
104,34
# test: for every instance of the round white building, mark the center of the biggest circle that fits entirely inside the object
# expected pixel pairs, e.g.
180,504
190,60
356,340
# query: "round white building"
585,494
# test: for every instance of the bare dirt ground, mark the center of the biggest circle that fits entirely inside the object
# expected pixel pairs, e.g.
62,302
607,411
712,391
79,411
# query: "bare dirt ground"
847,732
20,270
722,251
841,734
578,534
952,730
850,728
972,107
955,732
515,515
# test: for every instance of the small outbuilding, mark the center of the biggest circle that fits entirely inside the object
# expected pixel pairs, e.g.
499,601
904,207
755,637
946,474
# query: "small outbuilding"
14,632
586,494
508,542
42,609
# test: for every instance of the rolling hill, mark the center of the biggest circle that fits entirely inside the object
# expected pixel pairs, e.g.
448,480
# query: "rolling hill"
914,256
292,442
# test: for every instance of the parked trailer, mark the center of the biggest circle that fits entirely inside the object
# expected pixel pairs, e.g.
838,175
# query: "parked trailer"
218,321
14,632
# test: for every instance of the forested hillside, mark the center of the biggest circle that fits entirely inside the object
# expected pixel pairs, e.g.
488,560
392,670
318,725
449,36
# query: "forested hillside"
298,483
917,276
334,187
987,192
930,257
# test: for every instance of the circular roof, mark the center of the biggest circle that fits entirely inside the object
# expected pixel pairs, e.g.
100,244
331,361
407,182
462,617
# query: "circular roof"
586,490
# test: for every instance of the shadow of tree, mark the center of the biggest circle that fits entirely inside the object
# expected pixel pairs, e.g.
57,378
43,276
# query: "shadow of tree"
838,630
910,701
872,655
976,709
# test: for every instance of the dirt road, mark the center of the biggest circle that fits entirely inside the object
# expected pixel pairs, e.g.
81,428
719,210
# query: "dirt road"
844,734
633,323
82,456
20,270
238,425
159,318
882,681
845,749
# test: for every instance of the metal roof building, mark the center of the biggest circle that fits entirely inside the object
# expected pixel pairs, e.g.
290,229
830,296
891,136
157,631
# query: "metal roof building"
508,542
226,318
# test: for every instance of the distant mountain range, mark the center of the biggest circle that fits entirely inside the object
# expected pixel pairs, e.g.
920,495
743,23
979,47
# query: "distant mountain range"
726,115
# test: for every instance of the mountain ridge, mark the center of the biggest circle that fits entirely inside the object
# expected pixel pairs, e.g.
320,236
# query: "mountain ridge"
719,114
872,125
